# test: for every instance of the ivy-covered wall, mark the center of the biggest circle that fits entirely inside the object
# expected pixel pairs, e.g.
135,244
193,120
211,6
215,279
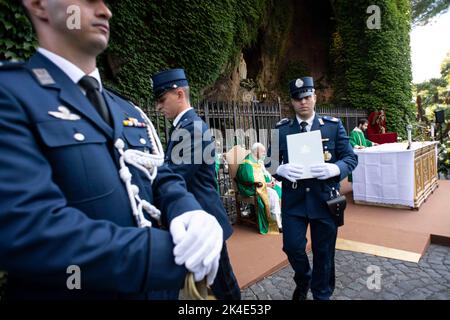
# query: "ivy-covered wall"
199,36
150,36
17,40
372,67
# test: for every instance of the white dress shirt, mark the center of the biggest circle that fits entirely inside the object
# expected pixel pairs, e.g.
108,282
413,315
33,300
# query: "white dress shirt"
178,117
309,121
71,70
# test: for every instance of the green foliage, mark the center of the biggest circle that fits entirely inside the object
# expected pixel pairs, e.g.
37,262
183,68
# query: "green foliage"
424,10
17,40
445,68
248,17
444,157
149,36
281,19
293,70
435,93
248,84
200,36
372,67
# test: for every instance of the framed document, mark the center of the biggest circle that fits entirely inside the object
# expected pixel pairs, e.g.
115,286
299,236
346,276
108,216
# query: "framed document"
306,149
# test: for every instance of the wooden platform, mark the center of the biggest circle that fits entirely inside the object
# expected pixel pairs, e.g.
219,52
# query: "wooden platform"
394,233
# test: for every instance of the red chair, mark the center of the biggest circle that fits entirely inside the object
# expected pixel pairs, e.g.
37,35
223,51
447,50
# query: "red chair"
376,130
389,137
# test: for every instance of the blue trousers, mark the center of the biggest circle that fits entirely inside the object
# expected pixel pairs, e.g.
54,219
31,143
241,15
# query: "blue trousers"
321,278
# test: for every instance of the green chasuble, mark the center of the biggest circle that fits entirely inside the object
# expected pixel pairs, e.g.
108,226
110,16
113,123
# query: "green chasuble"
217,166
250,170
357,138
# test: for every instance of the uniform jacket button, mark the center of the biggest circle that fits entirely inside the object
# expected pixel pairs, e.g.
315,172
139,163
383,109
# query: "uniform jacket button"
79,136
142,141
307,189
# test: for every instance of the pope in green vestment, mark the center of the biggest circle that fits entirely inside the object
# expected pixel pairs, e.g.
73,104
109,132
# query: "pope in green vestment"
251,170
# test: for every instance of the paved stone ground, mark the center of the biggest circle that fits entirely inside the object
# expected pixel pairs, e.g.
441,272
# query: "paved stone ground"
400,280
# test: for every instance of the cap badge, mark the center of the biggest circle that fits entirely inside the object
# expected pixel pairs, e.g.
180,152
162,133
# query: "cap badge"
299,83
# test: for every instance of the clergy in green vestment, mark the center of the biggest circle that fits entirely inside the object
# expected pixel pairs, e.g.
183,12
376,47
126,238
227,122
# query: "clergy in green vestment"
357,138
252,170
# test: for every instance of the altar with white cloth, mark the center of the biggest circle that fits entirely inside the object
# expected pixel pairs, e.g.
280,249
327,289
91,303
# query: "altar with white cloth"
393,175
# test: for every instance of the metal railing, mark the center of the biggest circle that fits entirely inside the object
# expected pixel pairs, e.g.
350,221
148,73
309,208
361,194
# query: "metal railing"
225,118
348,116
244,119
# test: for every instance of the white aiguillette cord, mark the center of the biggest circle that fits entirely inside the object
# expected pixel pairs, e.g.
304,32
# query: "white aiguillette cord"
148,164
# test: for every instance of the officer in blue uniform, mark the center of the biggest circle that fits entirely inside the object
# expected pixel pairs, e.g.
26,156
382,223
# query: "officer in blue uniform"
82,177
190,152
304,201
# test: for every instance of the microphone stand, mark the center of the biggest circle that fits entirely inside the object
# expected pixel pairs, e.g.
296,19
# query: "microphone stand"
409,128
409,131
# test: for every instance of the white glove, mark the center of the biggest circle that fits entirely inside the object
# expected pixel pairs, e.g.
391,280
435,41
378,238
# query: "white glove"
324,171
290,171
211,275
210,272
198,239
199,272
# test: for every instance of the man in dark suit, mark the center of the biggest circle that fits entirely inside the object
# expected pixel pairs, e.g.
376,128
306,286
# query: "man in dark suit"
303,201
191,153
82,181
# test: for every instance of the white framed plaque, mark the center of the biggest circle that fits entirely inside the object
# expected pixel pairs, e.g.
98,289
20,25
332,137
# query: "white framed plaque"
305,149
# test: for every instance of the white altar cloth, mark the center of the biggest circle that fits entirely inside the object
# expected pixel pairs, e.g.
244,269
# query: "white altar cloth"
385,173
